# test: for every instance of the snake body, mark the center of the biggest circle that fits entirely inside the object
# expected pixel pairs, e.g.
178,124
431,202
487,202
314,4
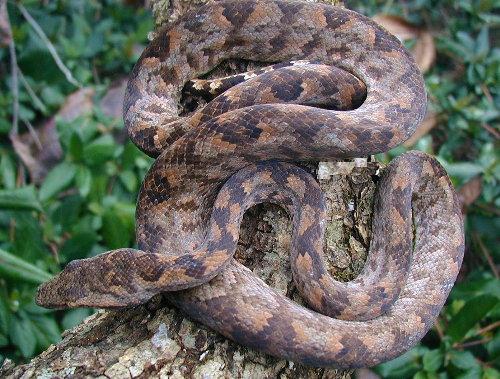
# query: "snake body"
236,152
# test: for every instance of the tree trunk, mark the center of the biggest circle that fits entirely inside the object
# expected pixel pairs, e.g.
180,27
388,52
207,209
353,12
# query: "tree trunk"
156,340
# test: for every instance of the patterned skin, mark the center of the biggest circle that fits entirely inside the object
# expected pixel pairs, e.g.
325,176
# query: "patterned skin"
362,95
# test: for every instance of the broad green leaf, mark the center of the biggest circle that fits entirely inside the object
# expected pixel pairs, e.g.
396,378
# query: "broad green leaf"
57,179
78,246
129,180
46,330
427,375
8,172
464,360
4,316
99,150
33,309
76,147
432,360
482,44
20,269
4,341
491,373
474,373
115,230
22,335
83,180
28,242
469,315
74,317
494,314
464,170
476,286
67,212
129,156
52,96
20,198
493,347
404,366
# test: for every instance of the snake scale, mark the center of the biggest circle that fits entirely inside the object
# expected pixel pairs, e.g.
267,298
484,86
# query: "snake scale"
360,94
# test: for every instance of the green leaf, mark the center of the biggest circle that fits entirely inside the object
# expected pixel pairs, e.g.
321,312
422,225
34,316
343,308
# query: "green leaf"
491,373
46,330
22,335
8,172
33,309
432,360
79,245
4,316
20,198
482,44
20,269
74,317
57,179
129,156
67,212
464,170
83,180
469,315
404,366
28,242
52,96
129,180
463,360
4,341
493,347
420,375
115,230
100,150
471,374
476,286
76,147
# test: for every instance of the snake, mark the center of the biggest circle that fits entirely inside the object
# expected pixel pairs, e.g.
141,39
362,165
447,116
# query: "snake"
340,86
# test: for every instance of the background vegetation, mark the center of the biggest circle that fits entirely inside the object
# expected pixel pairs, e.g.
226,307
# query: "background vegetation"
71,194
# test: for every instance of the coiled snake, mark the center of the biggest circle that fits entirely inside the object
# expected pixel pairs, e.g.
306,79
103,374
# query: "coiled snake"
215,164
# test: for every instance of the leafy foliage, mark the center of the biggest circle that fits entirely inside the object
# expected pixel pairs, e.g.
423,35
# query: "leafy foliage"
85,204
463,88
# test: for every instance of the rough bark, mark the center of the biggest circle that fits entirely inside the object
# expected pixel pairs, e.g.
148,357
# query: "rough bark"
156,340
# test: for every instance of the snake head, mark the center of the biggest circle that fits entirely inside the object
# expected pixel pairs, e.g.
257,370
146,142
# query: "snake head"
65,290
103,281
81,284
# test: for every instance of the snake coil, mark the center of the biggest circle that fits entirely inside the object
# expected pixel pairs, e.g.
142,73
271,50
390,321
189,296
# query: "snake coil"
362,95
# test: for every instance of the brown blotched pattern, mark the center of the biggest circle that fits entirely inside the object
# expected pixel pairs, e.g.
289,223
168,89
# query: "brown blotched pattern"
347,89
